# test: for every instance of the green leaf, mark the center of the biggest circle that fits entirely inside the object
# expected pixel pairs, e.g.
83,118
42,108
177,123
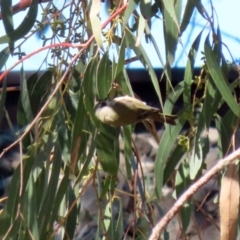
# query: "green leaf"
182,183
118,226
171,30
188,74
185,213
25,97
105,187
168,139
38,87
169,7
46,208
196,161
114,224
200,7
209,108
5,222
226,127
72,217
79,136
141,28
178,9
127,137
188,12
88,159
128,12
144,58
61,193
89,87
104,76
30,208
173,161
155,45
6,10
219,79
24,27
165,147
145,8
13,195
107,152
121,59
108,219
125,84
4,54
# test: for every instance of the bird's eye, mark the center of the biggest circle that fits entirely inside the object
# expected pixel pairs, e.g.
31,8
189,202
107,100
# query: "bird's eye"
102,103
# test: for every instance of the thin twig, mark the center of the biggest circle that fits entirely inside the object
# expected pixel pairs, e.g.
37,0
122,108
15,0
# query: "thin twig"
190,191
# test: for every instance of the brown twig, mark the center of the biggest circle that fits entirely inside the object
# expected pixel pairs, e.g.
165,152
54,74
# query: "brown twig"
157,230
11,89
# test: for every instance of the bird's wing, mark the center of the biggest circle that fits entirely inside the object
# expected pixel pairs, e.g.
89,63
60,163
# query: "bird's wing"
142,109
133,102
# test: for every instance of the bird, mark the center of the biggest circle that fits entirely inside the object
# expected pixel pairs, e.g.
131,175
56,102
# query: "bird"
125,110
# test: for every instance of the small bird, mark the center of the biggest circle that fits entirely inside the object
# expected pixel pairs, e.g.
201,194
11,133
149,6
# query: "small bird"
126,110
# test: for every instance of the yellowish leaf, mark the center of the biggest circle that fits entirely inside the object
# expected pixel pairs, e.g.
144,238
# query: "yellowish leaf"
229,203
95,22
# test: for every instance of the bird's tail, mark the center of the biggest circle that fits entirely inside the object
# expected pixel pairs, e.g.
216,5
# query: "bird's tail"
165,118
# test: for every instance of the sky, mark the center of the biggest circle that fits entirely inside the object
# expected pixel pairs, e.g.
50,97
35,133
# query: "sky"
227,14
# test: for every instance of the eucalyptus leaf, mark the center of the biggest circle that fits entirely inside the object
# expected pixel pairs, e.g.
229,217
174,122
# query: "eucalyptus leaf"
219,79
4,54
104,76
128,154
145,8
24,27
171,30
95,22
6,10
143,56
188,12
107,153
182,183
130,8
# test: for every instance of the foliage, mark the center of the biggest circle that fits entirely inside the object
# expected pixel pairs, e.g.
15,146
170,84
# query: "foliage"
66,149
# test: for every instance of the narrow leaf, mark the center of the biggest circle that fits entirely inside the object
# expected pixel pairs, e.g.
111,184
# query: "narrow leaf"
104,76
24,27
145,8
219,78
170,31
169,6
128,12
188,12
4,54
106,151
95,22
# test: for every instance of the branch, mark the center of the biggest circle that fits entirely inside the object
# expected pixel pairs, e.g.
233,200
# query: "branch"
157,230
